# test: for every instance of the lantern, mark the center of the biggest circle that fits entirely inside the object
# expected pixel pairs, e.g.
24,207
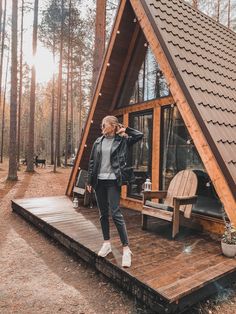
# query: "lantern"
147,185
75,202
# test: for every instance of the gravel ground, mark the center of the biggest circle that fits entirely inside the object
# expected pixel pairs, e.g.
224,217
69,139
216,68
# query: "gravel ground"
38,275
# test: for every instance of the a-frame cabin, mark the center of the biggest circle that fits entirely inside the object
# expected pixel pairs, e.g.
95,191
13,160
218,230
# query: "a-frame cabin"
170,71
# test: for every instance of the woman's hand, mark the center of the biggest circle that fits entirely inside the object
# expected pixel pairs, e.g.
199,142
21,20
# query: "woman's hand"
89,188
121,131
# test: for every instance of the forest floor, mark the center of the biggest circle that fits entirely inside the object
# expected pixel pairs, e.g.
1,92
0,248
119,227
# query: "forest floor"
37,275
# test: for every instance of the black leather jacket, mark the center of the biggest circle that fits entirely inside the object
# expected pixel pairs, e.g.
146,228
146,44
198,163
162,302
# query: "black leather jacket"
119,151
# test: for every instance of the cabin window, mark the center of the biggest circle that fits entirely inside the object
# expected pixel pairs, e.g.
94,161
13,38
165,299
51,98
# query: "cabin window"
141,153
144,79
178,153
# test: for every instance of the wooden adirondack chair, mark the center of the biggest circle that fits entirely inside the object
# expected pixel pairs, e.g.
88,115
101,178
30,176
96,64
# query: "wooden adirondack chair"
178,199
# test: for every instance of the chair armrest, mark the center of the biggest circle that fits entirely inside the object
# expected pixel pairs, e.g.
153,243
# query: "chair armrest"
184,200
148,195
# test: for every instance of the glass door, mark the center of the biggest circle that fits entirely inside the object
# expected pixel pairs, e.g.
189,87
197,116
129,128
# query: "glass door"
140,157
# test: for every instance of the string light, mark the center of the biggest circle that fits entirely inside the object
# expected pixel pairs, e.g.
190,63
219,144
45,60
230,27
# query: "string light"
100,94
118,32
108,64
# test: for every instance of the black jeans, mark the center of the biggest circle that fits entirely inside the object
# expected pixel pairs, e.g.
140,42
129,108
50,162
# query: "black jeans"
108,197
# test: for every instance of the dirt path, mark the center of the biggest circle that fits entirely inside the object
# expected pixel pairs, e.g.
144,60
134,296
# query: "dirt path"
39,276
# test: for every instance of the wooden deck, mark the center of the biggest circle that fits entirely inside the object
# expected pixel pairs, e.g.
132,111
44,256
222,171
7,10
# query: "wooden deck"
167,275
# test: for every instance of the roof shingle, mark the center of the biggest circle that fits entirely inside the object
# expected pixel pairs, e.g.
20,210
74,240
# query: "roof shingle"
204,53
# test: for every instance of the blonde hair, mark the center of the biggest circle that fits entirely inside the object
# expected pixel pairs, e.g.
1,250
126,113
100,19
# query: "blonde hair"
112,120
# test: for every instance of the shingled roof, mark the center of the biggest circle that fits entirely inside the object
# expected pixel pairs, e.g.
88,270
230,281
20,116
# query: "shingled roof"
202,54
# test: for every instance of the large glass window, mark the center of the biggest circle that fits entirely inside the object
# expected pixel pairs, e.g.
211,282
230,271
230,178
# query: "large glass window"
144,80
179,153
141,152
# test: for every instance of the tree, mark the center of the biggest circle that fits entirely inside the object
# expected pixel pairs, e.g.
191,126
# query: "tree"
21,81
100,38
67,85
53,103
12,171
48,34
30,153
229,13
218,11
3,108
59,95
0,18
195,4
1,62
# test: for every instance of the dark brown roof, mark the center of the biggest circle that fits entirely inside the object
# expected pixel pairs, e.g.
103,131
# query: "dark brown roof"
202,54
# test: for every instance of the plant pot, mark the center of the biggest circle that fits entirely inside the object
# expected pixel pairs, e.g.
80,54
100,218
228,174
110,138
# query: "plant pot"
228,250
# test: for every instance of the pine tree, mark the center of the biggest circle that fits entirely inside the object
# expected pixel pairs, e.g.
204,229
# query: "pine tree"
30,153
12,171
100,38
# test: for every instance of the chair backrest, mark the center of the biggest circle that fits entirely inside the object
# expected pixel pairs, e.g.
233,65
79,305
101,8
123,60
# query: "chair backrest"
184,183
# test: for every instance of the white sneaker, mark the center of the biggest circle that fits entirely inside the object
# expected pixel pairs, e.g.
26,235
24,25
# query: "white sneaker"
105,249
126,258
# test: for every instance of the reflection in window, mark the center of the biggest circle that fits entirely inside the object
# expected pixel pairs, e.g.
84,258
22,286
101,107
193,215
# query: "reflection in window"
141,152
144,79
179,152
150,83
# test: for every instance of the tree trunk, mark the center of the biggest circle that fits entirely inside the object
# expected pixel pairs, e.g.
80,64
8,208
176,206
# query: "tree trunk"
67,86
229,13
0,18
80,100
195,4
100,38
53,102
71,103
218,11
12,171
30,155
21,79
3,108
59,95
2,50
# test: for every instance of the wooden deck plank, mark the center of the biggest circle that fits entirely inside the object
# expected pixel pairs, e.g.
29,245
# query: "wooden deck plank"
182,287
163,271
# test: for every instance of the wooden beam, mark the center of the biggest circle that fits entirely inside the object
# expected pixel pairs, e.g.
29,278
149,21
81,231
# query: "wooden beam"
95,98
150,104
125,65
156,148
191,123
132,204
124,187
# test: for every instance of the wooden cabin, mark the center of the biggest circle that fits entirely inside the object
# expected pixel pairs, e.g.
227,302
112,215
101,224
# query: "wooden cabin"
170,71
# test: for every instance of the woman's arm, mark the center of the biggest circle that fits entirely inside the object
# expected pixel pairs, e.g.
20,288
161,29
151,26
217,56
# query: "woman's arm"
133,135
90,168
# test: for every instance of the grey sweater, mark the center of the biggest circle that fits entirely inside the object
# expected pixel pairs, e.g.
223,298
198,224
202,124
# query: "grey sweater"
106,172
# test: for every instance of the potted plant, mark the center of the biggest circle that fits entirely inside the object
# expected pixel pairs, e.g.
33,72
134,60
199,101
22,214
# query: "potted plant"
228,241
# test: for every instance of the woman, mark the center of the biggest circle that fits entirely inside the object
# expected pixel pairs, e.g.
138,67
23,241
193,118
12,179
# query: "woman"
106,173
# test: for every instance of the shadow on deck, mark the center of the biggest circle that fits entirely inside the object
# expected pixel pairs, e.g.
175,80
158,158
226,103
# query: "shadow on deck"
168,276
